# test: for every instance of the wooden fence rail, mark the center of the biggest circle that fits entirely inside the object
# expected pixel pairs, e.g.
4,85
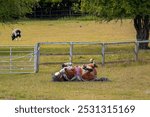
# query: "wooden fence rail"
71,44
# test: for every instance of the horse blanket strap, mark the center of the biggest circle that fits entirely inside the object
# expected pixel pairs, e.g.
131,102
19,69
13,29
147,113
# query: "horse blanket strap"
78,74
77,71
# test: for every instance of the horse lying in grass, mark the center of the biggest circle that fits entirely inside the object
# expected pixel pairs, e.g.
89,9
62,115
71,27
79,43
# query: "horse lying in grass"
86,72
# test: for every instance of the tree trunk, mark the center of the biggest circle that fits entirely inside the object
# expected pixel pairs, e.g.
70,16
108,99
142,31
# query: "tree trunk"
141,24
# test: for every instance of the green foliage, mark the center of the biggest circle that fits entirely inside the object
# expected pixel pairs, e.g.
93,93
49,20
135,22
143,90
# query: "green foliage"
52,0
14,9
61,4
76,6
116,9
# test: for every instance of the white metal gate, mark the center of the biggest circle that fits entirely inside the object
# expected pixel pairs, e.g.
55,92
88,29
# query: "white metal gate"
17,59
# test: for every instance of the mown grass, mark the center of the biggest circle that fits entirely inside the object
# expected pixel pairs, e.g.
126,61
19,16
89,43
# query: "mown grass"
130,80
71,30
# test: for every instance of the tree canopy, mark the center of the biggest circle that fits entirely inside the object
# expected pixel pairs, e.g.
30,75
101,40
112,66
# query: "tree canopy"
14,9
139,10
116,9
105,9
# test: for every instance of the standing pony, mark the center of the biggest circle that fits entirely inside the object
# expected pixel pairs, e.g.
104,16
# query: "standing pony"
15,34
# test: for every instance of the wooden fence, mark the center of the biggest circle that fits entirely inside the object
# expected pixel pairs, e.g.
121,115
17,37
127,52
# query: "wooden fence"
102,51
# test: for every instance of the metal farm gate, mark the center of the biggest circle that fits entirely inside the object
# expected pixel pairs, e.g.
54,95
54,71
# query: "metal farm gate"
17,59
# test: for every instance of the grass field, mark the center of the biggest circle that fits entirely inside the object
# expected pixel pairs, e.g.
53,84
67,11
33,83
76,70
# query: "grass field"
129,80
71,30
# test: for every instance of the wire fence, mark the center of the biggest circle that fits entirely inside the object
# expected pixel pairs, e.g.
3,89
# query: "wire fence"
41,13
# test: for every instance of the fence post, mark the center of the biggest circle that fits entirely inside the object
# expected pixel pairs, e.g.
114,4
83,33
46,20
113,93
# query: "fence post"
10,62
36,57
71,51
136,50
103,54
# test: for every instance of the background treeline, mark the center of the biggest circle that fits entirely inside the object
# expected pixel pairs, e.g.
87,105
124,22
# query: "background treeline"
56,8
105,9
15,9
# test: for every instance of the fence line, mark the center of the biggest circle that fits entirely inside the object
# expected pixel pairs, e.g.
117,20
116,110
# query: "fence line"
33,66
53,13
102,45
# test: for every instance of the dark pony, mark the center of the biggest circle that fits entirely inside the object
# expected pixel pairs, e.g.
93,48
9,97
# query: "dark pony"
16,33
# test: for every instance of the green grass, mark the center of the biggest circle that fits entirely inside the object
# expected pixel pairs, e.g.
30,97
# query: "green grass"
130,80
68,30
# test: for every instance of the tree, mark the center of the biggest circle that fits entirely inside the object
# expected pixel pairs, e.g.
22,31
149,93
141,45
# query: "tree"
14,9
138,10
55,8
